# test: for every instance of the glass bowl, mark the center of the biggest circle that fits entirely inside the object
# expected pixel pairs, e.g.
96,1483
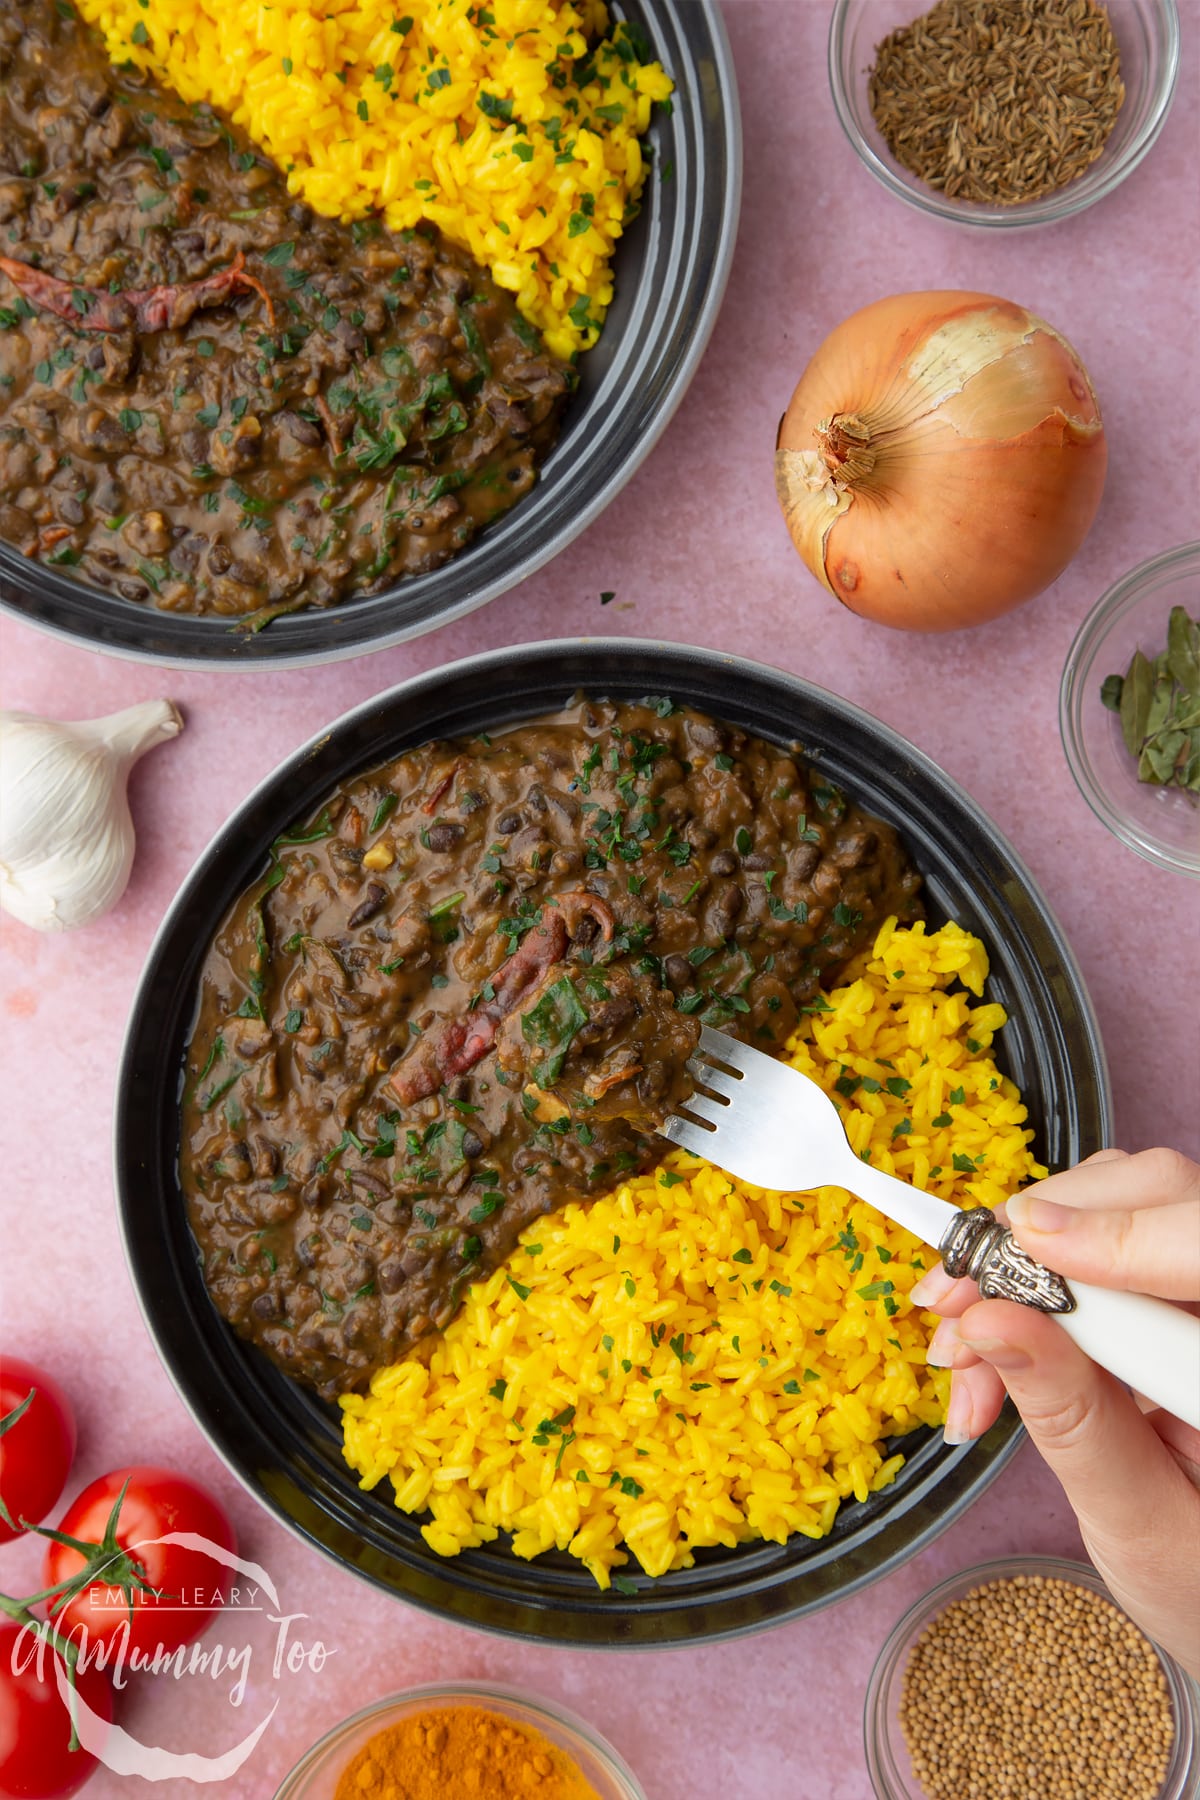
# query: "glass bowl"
1161,824
1147,34
887,1754
315,1776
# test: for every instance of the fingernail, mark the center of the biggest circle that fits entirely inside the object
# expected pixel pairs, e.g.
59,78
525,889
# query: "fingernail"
933,1286
1039,1215
1000,1354
957,1429
944,1345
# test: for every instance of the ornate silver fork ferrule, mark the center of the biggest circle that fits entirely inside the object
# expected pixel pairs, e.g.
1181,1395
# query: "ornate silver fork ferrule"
976,1244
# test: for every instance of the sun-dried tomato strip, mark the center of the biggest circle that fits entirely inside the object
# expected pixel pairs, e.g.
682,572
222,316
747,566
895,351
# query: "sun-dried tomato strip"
458,1044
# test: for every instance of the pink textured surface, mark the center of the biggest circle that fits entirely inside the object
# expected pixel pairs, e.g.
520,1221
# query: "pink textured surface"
695,550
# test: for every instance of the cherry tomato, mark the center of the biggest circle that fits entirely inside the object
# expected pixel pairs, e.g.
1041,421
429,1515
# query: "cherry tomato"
36,1450
188,1585
36,1760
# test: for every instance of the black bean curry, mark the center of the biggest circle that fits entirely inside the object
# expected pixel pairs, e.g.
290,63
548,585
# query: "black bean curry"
211,400
466,991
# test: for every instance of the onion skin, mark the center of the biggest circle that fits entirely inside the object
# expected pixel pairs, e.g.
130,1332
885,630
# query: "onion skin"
941,459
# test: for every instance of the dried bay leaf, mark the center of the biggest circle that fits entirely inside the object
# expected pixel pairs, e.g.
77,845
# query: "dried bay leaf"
1158,701
1161,694
1155,763
1135,702
1183,650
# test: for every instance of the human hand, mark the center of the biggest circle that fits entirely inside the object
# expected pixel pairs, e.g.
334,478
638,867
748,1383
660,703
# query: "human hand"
1131,1476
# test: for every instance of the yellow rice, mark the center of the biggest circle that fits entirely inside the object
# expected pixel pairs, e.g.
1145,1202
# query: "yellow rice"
511,124
693,1361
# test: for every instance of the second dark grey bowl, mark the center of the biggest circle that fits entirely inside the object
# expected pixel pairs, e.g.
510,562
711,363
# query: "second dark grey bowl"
285,1447
671,268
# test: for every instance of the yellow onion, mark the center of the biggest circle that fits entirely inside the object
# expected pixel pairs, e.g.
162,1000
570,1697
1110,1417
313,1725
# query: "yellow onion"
941,459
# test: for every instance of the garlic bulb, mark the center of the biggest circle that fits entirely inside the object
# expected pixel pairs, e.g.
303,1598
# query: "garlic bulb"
66,837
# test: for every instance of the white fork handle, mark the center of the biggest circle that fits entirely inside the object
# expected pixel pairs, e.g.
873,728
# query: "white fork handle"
1150,1344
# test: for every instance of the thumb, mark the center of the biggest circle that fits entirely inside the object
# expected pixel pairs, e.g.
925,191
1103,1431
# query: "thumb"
1121,1480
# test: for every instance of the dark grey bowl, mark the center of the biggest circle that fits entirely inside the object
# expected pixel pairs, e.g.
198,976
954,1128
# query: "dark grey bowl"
285,1446
671,269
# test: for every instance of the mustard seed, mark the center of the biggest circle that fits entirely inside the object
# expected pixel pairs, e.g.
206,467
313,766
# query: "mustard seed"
1034,1688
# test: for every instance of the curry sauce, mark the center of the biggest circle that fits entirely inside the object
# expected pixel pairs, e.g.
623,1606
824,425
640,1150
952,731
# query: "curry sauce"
466,991
214,401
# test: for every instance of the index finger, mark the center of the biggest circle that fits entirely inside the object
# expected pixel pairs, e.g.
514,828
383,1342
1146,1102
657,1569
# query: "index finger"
1133,1222
1112,1181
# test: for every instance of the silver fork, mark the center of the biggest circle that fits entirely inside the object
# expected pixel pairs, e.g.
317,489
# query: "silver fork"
768,1124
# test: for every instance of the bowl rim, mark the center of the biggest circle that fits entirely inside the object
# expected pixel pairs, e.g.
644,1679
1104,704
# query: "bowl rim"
448,1692
1117,603
724,127
1183,1690
1049,209
961,1474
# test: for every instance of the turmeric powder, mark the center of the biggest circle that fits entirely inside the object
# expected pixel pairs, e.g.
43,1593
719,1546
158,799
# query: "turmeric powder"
462,1753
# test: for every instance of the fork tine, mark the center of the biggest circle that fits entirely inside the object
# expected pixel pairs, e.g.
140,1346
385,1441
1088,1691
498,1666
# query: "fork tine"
688,1136
702,1107
720,1081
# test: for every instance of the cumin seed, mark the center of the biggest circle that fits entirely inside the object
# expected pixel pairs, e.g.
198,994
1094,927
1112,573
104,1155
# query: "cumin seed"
999,101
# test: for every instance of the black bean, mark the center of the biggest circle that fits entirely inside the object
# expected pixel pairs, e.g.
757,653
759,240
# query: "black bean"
187,554
678,971
472,1144
756,860
264,1306
444,836
374,1184
194,443
70,510
302,429
509,417
99,432
724,863
375,898
854,847
354,1006
342,285
509,822
219,559
391,1277
237,1161
802,861
724,908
